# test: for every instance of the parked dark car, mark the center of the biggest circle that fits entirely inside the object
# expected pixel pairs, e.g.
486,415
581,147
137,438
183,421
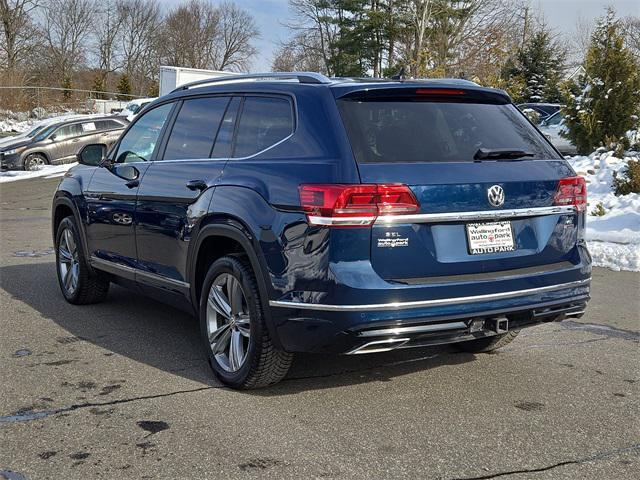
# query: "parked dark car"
544,110
59,142
296,213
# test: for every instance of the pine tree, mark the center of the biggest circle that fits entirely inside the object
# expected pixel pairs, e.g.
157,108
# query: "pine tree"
67,85
605,102
124,87
99,85
537,69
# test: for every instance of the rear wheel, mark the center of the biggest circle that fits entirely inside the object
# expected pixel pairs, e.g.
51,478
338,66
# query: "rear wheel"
237,341
487,344
78,283
34,162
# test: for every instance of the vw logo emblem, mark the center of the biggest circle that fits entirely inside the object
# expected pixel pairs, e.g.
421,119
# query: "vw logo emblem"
495,194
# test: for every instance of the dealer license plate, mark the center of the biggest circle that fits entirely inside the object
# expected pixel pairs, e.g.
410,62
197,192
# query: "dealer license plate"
491,237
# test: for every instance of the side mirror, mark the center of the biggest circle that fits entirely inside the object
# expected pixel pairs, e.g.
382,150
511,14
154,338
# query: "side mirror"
53,137
92,154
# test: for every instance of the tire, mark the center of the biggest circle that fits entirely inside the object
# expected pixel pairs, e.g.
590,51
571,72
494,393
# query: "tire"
82,287
487,344
34,161
244,357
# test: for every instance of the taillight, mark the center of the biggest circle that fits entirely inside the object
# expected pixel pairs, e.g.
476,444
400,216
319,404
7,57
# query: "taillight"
572,191
355,205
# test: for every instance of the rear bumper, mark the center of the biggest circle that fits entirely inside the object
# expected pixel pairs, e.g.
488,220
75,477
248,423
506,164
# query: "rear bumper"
379,326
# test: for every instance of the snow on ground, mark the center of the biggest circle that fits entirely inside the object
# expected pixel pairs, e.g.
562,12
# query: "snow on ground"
613,238
48,171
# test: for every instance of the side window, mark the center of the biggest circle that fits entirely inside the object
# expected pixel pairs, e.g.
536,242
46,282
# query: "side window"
107,125
138,144
224,139
195,128
66,132
264,122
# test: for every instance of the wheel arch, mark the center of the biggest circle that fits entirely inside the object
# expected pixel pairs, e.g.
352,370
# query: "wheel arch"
224,236
63,206
35,152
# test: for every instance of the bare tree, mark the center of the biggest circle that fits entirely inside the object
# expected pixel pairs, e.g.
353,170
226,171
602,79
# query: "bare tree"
108,29
631,26
141,20
189,35
67,26
299,54
19,34
234,50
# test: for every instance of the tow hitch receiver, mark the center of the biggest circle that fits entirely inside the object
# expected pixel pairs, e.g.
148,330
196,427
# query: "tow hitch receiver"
497,325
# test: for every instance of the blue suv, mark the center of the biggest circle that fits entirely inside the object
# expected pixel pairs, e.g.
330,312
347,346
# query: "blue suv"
296,213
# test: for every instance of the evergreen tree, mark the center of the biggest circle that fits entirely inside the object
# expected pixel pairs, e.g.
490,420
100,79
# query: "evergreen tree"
67,85
124,87
605,101
537,69
99,85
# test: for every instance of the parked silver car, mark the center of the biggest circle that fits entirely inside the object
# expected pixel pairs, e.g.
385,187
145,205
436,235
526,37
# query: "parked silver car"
59,142
551,128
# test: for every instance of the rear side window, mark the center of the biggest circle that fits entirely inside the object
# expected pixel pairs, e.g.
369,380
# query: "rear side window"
425,131
264,122
195,128
108,125
68,131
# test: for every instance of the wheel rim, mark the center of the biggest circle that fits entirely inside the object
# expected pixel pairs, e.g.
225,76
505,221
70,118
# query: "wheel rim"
68,263
228,322
36,163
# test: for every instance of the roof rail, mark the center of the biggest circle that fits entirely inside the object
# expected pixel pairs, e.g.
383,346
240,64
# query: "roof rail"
302,77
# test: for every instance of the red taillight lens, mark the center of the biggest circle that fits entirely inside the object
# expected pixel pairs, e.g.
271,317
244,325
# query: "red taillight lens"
572,191
355,205
439,91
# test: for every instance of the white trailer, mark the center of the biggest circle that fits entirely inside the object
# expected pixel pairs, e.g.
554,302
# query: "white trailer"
173,77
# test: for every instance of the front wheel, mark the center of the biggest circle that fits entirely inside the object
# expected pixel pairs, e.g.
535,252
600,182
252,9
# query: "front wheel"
34,162
78,283
236,338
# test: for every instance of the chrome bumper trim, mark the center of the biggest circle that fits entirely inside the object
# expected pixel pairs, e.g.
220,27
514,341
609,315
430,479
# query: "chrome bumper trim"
434,327
475,216
425,303
109,265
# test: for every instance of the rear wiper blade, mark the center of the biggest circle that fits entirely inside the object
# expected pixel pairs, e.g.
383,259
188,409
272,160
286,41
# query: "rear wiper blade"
501,154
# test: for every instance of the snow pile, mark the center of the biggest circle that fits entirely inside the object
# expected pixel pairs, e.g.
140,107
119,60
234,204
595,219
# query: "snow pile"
48,171
613,238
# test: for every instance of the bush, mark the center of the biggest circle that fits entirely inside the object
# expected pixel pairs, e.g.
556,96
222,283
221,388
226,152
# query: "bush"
599,210
630,182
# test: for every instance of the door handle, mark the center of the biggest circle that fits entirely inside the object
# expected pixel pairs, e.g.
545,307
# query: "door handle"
132,183
196,185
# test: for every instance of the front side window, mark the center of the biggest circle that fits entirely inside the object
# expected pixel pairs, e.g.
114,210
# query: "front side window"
138,144
264,122
195,128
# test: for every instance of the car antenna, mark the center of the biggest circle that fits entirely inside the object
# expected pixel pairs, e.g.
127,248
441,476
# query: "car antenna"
399,76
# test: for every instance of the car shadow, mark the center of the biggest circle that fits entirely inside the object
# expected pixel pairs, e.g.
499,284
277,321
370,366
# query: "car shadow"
166,338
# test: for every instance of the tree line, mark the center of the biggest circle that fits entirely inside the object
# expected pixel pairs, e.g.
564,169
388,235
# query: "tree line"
119,44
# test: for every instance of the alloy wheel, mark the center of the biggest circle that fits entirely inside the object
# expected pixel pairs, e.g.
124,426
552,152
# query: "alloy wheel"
68,261
36,163
228,322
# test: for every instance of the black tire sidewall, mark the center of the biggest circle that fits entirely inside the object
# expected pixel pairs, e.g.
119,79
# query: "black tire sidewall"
242,273
68,223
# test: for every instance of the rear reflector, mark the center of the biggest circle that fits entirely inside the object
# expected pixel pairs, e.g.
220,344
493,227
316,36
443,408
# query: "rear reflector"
355,205
572,191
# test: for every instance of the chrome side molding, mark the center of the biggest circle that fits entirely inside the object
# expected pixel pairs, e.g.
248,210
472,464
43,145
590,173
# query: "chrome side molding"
426,303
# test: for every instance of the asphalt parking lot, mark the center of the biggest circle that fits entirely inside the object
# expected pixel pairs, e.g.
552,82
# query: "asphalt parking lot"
122,390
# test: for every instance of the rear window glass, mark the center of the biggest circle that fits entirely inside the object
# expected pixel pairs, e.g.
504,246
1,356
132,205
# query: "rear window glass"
264,122
420,131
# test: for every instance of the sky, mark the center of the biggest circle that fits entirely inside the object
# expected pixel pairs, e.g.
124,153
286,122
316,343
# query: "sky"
562,15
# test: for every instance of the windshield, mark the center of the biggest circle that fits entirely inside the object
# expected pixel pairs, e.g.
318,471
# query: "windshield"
134,107
46,131
424,131
554,119
35,130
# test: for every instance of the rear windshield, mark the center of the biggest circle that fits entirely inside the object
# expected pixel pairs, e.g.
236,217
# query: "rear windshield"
421,131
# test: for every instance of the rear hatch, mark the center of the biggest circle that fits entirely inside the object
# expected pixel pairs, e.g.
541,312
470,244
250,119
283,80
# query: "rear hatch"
485,180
